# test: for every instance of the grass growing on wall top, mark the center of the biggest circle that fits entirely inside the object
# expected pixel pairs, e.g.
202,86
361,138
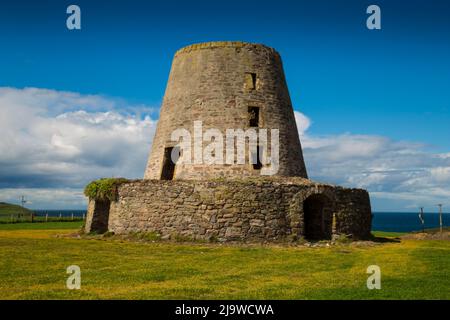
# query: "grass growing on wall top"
104,189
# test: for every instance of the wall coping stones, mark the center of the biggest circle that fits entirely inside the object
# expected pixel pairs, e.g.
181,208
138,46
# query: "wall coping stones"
224,44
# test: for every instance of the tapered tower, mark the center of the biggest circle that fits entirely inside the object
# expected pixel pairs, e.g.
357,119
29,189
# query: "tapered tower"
225,85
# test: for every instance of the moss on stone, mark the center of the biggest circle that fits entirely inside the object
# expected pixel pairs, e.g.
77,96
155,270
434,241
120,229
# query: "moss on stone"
104,189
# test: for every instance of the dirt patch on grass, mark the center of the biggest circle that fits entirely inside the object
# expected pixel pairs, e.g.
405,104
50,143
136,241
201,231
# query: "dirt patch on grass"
445,235
142,237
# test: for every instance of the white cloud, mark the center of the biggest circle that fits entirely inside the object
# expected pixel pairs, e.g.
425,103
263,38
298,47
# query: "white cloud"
51,140
303,122
398,173
441,174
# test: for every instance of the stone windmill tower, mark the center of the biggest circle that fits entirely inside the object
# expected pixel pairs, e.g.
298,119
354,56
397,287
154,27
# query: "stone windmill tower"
225,85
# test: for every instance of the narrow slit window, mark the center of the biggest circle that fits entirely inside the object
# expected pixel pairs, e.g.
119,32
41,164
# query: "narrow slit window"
253,114
250,81
171,156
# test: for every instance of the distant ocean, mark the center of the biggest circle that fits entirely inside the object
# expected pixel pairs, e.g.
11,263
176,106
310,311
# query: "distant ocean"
406,221
382,221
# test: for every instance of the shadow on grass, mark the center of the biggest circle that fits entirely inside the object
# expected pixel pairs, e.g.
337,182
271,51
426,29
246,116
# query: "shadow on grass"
385,240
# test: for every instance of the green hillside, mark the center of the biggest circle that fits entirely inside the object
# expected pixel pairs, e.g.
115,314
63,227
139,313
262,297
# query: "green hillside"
7,209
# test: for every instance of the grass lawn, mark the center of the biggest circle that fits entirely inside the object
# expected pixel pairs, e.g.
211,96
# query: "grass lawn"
388,234
42,225
33,264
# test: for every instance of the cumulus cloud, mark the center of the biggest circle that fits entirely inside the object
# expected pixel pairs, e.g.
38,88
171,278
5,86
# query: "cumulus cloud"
303,122
398,173
51,140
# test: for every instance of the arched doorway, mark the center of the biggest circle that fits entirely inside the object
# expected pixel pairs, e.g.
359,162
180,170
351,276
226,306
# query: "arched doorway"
318,217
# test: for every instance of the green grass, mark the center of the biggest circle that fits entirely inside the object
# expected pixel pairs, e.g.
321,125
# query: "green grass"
399,234
42,225
33,266
7,209
388,234
435,230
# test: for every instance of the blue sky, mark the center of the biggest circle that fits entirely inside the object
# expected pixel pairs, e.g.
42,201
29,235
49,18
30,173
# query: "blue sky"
350,82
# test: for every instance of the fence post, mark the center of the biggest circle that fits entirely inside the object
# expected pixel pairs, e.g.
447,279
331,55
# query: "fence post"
46,217
72,216
84,216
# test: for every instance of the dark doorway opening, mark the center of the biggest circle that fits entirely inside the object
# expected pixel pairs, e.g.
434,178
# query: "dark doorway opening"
318,217
171,156
100,217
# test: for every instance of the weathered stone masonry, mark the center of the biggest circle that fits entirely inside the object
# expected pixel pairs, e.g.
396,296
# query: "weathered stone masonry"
230,85
209,82
255,210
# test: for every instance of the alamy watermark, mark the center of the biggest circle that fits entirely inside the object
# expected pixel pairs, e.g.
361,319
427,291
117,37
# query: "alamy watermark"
73,21
374,280
374,20
227,149
74,280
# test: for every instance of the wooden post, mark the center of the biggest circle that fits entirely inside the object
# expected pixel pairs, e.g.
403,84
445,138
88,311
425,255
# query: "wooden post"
422,220
72,216
440,217
46,217
84,216
333,226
